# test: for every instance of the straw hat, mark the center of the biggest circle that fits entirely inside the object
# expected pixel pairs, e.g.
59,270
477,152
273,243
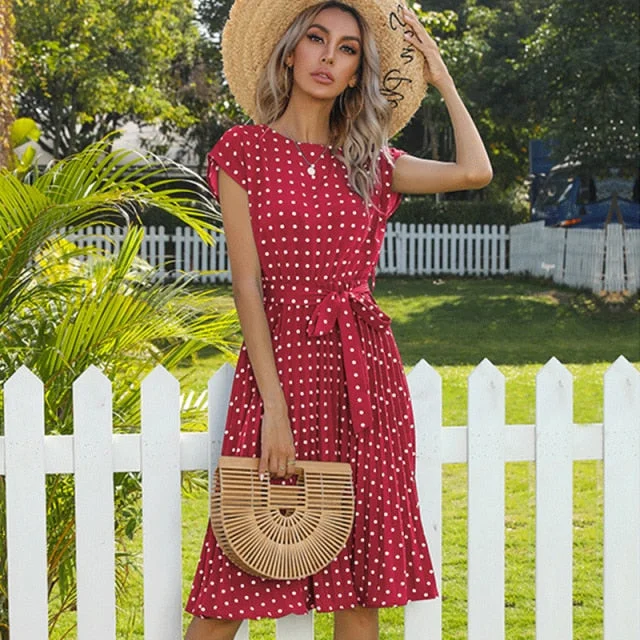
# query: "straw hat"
256,26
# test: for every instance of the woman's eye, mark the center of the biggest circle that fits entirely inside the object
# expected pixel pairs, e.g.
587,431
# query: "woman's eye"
350,50
314,38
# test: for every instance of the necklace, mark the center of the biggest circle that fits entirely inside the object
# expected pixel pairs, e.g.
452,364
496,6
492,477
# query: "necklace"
311,168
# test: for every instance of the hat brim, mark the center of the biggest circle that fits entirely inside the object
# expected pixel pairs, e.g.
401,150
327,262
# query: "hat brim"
256,26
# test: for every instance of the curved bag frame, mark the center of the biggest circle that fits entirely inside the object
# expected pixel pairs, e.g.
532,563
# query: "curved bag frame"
282,532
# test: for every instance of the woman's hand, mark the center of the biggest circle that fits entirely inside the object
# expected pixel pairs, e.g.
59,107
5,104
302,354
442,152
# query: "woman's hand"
435,70
278,455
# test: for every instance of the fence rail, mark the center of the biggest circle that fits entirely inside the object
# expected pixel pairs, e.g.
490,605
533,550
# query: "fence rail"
161,451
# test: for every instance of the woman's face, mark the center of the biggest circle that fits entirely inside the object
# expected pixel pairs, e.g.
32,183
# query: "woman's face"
327,58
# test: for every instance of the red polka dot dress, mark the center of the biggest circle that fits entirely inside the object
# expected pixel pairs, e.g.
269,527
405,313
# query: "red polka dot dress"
341,373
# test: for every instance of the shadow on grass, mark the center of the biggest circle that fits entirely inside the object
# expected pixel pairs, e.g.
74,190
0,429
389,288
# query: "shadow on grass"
461,321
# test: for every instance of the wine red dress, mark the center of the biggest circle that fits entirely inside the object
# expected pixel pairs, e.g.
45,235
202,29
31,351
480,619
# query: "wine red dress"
341,373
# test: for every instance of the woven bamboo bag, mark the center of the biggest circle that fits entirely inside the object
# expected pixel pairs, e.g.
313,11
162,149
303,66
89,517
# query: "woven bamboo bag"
282,532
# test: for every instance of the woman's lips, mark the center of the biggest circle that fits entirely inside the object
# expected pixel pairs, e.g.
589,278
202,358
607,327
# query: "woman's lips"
322,77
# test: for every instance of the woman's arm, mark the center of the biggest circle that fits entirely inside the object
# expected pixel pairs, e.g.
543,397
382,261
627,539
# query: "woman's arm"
276,439
472,169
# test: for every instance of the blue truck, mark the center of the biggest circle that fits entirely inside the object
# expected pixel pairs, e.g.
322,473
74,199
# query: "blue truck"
570,195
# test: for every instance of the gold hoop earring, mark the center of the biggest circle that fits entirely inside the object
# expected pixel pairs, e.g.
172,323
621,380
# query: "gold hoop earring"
352,109
288,73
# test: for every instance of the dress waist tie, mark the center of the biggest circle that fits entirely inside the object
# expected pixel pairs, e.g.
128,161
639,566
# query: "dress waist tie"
339,305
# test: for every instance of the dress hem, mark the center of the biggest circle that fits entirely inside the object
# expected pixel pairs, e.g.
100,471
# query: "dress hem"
305,611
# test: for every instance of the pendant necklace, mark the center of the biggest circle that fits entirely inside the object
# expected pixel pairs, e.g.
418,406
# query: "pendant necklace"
311,168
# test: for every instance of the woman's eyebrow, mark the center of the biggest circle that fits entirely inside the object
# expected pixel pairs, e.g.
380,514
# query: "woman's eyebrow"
325,30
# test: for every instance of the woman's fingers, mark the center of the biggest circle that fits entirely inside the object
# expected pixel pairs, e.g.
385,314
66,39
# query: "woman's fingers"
278,454
263,467
278,466
281,465
435,69
416,28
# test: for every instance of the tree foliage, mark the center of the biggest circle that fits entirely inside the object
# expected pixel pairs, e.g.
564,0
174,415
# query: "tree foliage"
582,70
86,66
479,42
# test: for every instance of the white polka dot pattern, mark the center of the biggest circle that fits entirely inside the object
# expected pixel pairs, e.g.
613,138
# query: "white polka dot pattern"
341,373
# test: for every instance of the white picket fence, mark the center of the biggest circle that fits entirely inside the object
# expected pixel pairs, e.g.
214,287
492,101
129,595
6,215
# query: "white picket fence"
161,451
418,249
407,250
597,259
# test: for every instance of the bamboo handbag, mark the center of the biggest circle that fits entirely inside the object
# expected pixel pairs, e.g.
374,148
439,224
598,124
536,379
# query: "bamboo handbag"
282,532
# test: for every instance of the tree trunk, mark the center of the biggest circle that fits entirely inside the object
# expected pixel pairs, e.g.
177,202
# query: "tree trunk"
6,85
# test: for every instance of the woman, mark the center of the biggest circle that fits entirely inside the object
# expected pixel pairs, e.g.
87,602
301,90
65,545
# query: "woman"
305,196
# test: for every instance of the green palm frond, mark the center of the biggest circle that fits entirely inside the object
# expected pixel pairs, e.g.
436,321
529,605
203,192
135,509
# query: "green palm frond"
64,307
77,191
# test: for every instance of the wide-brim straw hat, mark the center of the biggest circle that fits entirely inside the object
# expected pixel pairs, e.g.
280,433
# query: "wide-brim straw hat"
256,26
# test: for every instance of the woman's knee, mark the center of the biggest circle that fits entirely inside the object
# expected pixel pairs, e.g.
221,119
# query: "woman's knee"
212,629
360,622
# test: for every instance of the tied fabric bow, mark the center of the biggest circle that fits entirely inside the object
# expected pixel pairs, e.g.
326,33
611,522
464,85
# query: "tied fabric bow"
339,307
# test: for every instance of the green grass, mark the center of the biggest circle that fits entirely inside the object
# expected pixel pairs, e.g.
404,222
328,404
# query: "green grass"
454,324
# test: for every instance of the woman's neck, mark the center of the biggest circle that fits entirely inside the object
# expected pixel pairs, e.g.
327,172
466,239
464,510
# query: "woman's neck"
308,122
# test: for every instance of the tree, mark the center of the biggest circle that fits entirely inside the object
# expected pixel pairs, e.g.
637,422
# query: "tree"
207,94
87,66
63,308
582,68
6,84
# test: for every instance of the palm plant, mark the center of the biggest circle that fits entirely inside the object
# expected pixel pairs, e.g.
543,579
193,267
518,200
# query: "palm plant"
63,308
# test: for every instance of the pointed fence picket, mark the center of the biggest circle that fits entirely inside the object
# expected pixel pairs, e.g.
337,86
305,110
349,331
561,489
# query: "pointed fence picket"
161,452
486,503
24,467
621,502
94,501
161,505
554,508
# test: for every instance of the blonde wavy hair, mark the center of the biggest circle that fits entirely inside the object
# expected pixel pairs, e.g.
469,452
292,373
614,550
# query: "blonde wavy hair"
360,117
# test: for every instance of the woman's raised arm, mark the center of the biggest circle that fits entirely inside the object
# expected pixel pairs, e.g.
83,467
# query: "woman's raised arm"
472,168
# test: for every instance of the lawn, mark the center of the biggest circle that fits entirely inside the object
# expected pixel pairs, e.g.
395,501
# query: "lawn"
454,324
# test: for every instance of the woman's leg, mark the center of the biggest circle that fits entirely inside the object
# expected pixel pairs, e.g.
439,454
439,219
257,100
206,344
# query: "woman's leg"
360,623
212,629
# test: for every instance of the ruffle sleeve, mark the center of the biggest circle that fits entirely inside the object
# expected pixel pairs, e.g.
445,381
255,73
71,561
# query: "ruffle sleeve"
228,154
388,200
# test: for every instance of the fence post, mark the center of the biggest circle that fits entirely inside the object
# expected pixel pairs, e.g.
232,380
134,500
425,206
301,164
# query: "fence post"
621,501
26,506
554,502
295,627
162,252
423,619
486,503
179,262
614,258
632,257
93,468
161,506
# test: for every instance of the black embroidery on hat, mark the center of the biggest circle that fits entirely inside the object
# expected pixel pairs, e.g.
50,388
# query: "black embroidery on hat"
408,54
391,84
393,80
